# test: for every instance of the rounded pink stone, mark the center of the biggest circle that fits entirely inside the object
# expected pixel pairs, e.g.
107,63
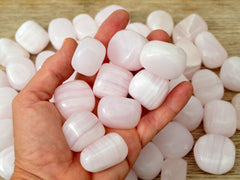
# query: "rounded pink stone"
119,112
6,136
174,82
3,79
212,52
124,49
207,86
230,74
131,176
174,141
214,153
220,118
163,59
140,28
74,96
112,80
236,104
7,159
42,57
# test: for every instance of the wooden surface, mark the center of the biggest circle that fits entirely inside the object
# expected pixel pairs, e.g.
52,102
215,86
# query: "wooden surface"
222,16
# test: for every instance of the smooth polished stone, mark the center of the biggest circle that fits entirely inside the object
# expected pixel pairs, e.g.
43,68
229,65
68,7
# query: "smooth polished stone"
174,82
189,28
33,37
140,28
19,72
6,136
160,20
230,74
3,79
220,117
191,115
82,129
59,29
85,26
174,140
8,49
207,86
74,96
124,49
163,59
72,77
88,56
131,176
42,57
214,154
194,60
7,158
149,162
106,152
236,104
174,169
119,112
112,80
149,89
212,52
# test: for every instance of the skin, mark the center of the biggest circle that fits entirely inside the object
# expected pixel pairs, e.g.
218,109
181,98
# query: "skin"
41,151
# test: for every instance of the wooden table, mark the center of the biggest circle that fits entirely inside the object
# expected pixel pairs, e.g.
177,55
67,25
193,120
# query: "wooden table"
222,16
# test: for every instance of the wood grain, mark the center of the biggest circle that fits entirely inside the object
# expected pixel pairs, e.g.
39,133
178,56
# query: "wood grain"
222,17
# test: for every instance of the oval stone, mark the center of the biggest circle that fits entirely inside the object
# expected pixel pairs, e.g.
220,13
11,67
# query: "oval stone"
7,158
131,176
6,136
236,104
139,28
42,57
3,79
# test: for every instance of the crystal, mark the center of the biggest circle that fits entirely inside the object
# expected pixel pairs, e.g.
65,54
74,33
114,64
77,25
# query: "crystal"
74,96
207,86
88,56
174,169
214,153
149,162
119,112
174,140
42,57
230,74
6,136
163,59
19,72
106,152
220,118
139,28
32,37
212,52
174,82
131,176
7,158
124,49
236,104
3,79
149,89
112,80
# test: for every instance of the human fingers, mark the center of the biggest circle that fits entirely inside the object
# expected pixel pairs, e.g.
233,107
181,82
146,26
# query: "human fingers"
159,35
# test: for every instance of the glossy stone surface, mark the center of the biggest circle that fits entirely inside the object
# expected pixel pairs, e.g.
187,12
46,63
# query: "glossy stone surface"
71,78
149,162
140,28
149,89
174,82
163,59
124,49
212,52
74,96
82,129
7,158
106,152
19,72
3,79
33,37
88,56
112,80
131,176
174,140
119,112
207,86
220,117
230,74
236,104
6,136
214,154
42,57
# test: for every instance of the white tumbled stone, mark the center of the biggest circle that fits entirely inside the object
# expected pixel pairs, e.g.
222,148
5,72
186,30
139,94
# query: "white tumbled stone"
140,28
131,176
174,82
236,104
42,57
3,79
7,158
6,136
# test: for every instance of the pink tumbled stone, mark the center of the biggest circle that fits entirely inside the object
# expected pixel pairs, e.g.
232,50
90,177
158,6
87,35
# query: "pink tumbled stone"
119,112
207,86
88,56
230,74
32,37
3,79
7,159
191,115
139,28
74,96
124,49
220,117
149,89
106,152
71,78
59,29
19,72
131,176
189,28
214,153
212,52
236,104
112,80
82,129
174,141
6,136
149,162
42,57
174,82
163,59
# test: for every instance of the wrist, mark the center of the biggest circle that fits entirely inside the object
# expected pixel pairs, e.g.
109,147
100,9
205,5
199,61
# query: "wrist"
21,174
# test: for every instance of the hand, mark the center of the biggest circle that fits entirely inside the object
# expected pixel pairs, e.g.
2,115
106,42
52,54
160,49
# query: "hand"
41,151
